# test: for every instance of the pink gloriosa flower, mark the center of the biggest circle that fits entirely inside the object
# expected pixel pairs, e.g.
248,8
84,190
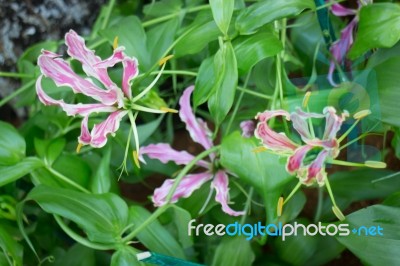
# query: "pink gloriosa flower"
306,161
248,128
163,152
340,47
111,99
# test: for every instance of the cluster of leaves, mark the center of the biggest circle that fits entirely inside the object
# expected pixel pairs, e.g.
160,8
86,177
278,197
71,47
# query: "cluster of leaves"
67,208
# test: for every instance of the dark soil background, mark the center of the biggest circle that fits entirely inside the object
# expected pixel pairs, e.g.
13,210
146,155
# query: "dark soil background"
26,22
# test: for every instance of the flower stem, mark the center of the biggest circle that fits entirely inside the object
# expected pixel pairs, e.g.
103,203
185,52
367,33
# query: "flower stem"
162,209
257,94
170,16
248,205
78,238
108,14
66,179
17,92
292,193
238,103
319,204
15,75
328,187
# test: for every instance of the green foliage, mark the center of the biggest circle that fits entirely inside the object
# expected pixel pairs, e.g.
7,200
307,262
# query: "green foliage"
243,57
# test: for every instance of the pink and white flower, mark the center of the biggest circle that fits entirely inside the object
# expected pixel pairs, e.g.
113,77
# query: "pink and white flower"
111,99
340,48
307,161
163,152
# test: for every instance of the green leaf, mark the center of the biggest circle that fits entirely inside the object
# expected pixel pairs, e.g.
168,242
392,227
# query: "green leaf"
264,171
199,34
225,68
54,150
252,49
160,38
387,77
11,173
222,11
263,12
307,250
11,248
101,183
155,237
204,82
125,256
102,217
379,27
181,219
234,251
162,8
81,171
12,145
77,255
374,250
131,35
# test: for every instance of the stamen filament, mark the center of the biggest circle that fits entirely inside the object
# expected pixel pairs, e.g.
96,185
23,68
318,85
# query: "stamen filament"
132,118
348,131
151,110
292,193
148,88
259,149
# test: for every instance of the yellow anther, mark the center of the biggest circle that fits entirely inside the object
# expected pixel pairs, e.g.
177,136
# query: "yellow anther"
165,59
280,207
115,42
168,110
306,99
375,164
338,213
259,149
135,156
362,114
78,148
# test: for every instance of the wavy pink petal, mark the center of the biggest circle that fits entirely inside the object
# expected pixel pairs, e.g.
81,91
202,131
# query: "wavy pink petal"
340,11
165,153
196,127
272,140
333,122
72,109
248,128
61,73
130,72
109,126
340,48
186,187
300,123
117,57
78,50
296,160
85,137
317,168
130,66
220,184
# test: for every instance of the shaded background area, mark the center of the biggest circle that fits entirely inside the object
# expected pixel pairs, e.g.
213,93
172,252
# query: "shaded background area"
26,22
